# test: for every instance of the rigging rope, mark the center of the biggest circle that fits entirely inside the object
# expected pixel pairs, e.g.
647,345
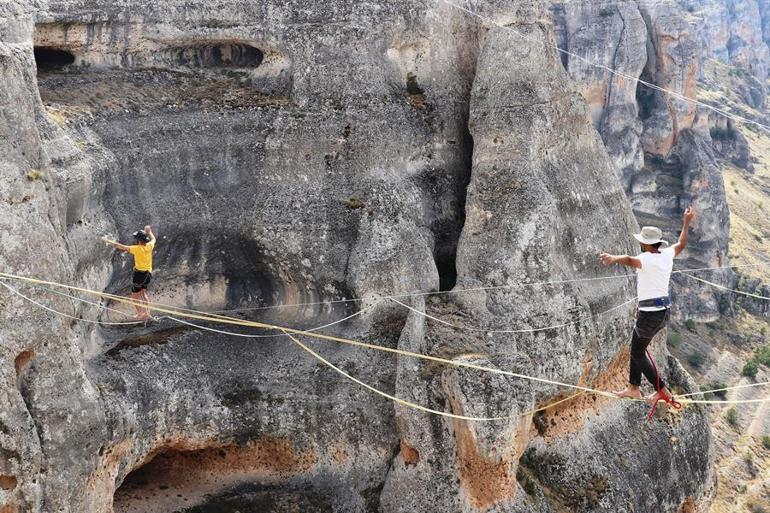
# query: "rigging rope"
749,294
226,320
522,330
244,335
44,307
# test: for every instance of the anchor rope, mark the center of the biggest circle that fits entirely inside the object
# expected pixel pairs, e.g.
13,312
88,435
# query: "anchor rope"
292,331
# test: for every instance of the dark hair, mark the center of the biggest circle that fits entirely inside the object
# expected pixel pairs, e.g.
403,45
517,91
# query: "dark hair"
141,236
656,245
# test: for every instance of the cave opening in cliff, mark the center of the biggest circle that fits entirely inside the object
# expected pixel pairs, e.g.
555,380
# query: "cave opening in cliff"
52,59
646,98
448,231
219,55
251,477
167,482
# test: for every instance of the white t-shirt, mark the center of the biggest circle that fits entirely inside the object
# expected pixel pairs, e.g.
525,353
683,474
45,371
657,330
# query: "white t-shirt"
652,279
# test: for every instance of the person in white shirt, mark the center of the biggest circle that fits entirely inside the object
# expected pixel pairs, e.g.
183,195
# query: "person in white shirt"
653,267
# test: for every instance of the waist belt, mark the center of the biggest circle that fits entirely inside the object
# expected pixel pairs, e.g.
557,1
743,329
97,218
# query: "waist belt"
660,302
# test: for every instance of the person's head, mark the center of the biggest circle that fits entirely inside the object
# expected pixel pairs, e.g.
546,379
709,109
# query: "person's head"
650,239
141,237
650,248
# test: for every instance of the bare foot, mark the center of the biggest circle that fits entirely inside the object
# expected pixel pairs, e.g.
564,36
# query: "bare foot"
632,393
660,395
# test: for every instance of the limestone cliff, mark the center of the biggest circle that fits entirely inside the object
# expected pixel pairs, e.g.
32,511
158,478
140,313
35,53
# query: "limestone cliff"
652,135
307,152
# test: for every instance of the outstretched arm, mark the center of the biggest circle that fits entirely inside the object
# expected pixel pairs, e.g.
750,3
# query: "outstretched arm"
689,214
626,260
116,245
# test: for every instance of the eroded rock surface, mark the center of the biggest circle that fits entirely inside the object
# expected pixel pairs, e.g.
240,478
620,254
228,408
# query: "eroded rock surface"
647,130
298,153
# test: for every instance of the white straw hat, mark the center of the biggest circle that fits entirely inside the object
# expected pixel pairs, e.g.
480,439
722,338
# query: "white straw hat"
650,235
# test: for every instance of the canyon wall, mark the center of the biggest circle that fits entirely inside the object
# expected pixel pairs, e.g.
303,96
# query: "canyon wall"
302,153
664,148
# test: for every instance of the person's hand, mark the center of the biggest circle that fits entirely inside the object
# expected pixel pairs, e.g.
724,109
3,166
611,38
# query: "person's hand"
689,215
105,240
148,228
607,259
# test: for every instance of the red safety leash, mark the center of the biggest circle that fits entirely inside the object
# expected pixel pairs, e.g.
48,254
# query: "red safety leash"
668,399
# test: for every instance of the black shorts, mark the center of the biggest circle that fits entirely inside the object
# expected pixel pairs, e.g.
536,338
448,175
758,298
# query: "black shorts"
141,280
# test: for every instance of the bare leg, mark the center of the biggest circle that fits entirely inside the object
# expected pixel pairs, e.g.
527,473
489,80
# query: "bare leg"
137,297
146,301
631,391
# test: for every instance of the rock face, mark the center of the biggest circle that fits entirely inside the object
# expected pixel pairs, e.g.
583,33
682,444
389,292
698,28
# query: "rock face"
733,32
648,130
614,35
291,153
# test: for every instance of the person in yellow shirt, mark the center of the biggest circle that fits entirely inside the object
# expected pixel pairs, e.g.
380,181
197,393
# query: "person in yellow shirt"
142,252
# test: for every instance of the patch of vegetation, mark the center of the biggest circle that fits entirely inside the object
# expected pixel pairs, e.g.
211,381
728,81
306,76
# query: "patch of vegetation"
696,358
717,385
724,305
412,87
690,325
354,203
750,369
755,507
740,72
763,354
707,395
57,116
732,416
651,159
526,482
766,442
674,339
596,489
722,134
34,174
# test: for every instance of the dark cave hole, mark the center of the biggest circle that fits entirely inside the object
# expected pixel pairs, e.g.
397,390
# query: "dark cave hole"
220,55
218,480
448,233
445,256
51,59
645,97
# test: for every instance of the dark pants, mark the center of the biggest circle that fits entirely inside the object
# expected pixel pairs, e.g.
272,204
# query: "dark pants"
647,325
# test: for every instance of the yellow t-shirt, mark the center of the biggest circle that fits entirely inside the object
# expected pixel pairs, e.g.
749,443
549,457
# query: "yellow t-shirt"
142,256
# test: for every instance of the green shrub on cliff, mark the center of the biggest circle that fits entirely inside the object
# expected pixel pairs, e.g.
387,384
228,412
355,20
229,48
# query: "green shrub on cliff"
763,355
750,369
674,339
696,359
